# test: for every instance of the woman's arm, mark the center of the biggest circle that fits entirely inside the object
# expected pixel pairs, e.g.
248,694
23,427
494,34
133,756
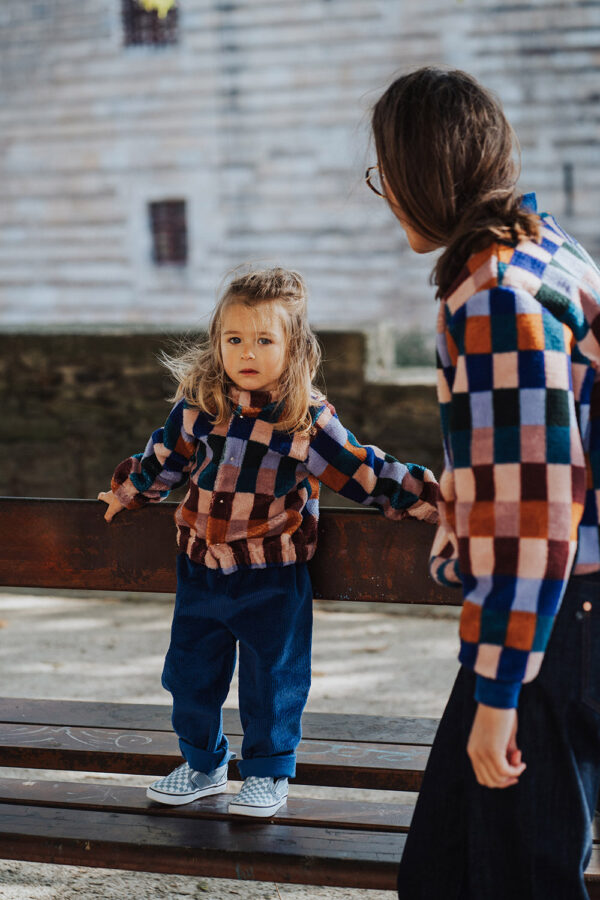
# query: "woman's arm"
518,483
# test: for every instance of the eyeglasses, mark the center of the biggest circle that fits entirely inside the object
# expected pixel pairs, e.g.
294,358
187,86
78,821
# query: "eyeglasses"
375,180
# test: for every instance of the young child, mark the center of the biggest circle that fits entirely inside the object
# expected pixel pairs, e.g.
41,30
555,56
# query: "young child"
253,438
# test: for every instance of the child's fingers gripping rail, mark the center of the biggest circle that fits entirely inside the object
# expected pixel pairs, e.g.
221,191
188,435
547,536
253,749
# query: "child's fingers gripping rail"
114,504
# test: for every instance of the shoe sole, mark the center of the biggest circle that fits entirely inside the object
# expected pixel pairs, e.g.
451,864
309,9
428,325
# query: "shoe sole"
260,812
182,799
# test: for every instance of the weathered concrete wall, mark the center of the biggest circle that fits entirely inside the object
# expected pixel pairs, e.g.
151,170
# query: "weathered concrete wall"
74,405
258,117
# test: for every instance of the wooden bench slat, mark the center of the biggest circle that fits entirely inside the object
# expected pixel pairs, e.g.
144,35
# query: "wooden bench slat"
92,795
353,814
250,850
157,717
337,764
75,548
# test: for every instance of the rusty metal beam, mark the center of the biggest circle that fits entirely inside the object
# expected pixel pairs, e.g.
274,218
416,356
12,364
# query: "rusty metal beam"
67,544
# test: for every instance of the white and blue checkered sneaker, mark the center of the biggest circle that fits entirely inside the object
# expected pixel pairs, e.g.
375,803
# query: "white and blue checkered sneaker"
260,797
185,784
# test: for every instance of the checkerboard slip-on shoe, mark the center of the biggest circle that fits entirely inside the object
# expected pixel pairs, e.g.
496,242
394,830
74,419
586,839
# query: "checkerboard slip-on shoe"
260,797
185,784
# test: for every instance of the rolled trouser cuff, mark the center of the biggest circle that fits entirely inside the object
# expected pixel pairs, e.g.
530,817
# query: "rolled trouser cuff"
205,760
268,766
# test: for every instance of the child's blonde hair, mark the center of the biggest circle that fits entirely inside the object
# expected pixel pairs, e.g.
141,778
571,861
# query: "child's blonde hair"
199,369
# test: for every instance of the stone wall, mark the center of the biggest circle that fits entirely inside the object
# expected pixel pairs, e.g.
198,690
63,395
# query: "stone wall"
73,405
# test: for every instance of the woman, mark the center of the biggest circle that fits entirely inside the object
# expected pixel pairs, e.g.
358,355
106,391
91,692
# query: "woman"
510,789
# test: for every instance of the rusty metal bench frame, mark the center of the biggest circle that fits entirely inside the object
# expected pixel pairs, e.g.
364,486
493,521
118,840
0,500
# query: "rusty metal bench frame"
347,843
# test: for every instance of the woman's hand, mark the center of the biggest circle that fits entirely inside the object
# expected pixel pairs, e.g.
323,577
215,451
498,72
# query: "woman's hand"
492,747
114,504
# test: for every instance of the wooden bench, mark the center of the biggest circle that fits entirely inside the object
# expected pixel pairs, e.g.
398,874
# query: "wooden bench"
348,843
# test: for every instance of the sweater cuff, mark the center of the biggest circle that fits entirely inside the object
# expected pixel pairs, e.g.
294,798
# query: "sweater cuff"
123,488
501,694
128,496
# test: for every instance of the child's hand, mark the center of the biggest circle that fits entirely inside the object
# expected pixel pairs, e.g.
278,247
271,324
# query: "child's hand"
114,504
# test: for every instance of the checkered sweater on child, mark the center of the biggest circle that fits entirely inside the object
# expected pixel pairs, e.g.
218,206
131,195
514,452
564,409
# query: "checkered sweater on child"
253,490
519,393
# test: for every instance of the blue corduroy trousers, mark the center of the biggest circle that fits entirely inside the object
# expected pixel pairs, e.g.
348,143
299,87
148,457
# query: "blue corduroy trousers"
531,841
268,612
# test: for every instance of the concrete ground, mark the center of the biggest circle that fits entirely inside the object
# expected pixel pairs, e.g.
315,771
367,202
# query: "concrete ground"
366,659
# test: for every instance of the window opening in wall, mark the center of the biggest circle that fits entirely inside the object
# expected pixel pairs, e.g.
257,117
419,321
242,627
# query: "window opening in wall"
569,188
142,27
169,231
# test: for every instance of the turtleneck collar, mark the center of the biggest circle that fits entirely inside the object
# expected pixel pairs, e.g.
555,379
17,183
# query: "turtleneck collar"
252,403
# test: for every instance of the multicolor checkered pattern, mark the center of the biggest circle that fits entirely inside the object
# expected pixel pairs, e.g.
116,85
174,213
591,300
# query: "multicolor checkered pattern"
253,490
518,349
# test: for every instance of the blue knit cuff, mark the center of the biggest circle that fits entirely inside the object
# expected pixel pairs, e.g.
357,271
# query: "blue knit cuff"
501,694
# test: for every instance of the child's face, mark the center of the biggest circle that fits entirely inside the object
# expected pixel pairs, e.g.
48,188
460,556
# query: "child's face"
253,345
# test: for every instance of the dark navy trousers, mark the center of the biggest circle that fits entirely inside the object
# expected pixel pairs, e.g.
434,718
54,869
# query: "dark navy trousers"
531,841
268,613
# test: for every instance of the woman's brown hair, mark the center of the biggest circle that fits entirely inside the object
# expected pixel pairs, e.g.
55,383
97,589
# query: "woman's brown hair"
199,369
445,151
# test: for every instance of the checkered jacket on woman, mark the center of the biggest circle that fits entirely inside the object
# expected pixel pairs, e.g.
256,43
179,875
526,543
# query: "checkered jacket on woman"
519,393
